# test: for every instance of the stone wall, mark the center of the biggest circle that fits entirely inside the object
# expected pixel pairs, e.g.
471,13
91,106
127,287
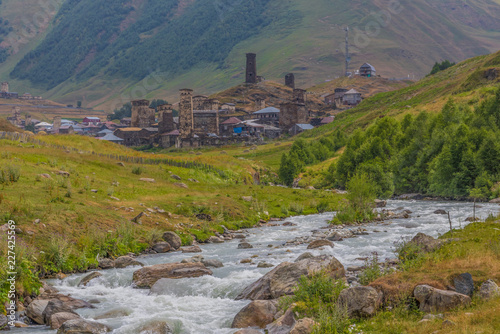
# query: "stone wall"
205,121
290,80
165,119
142,115
291,114
186,114
251,69
4,88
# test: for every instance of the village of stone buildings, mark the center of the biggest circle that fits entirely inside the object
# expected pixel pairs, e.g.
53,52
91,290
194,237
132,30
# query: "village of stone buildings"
203,121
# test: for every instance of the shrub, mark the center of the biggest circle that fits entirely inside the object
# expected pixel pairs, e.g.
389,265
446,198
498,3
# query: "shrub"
372,270
323,206
410,255
137,170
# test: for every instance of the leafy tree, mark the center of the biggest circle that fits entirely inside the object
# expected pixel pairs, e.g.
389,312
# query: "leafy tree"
124,111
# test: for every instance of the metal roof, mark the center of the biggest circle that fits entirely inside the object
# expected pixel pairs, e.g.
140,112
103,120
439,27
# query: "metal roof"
111,137
368,65
267,110
305,126
352,91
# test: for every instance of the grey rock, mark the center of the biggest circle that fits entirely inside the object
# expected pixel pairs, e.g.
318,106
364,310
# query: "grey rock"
57,319
361,301
162,247
126,261
4,322
86,280
212,263
155,327
173,239
244,245
464,284
320,243
436,300
112,314
440,212
81,326
191,249
304,256
106,263
35,309
489,289
55,306
263,264
259,313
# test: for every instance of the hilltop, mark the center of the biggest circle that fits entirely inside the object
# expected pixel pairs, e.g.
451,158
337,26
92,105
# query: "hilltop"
127,60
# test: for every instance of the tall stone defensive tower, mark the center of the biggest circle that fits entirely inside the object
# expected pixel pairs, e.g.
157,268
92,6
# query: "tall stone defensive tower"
142,115
165,119
290,80
186,126
260,104
57,124
4,88
251,75
299,96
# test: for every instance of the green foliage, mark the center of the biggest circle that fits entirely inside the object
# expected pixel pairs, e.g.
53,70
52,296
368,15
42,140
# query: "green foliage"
410,254
316,297
446,154
113,37
362,192
9,174
124,111
137,170
441,66
372,271
305,153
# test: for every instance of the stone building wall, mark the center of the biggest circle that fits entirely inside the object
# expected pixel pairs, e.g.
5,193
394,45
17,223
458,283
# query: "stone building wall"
186,114
291,114
57,124
290,80
142,115
206,121
165,119
299,96
4,88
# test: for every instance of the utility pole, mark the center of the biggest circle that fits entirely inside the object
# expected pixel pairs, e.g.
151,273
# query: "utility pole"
347,56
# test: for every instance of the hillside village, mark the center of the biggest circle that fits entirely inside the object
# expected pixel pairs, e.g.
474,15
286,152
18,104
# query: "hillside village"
206,121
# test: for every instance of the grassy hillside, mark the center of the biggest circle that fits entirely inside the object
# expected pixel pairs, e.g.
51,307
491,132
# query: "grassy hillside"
288,36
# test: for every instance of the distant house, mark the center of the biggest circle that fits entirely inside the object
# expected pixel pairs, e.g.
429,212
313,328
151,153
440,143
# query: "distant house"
299,128
269,115
169,139
227,108
252,128
351,98
329,98
367,70
94,120
103,133
327,120
66,130
127,121
226,128
112,138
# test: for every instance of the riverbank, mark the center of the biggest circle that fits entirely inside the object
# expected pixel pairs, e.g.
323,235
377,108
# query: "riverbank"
206,304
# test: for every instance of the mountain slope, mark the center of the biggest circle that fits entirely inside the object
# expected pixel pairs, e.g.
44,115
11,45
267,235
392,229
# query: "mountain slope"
107,52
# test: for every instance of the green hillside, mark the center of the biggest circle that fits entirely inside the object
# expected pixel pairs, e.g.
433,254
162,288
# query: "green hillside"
106,52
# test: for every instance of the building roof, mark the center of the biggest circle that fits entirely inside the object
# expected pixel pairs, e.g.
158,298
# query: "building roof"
105,131
66,127
172,133
305,126
229,104
368,65
232,120
110,137
93,118
352,91
327,120
267,110
43,124
129,129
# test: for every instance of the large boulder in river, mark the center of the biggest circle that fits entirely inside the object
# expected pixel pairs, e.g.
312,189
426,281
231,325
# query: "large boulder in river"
284,278
284,324
82,326
106,263
57,319
147,276
86,280
126,261
155,327
425,242
35,309
191,249
173,239
55,306
259,313
360,301
320,243
436,300
162,247
4,322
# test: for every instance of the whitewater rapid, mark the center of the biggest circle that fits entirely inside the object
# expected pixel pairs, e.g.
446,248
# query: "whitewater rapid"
206,305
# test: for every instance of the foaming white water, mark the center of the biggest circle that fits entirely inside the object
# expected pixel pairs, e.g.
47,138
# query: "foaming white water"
206,304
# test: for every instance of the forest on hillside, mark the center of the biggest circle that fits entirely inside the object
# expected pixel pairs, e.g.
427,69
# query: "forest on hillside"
455,153
92,36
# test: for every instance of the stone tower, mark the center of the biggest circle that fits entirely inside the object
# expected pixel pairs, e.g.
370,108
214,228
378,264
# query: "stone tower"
186,126
28,120
299,96
142,115
260,104
290,80
251,75
4,88
165,119
16,116
57,124
212,104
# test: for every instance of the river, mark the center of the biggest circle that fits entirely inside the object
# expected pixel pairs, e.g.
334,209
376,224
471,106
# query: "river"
206,304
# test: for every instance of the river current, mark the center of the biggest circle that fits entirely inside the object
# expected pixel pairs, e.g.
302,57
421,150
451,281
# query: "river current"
206,305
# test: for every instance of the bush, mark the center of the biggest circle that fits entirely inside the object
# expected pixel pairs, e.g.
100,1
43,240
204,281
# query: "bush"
372,270
10,174
361,195
137,170
323,206
410,255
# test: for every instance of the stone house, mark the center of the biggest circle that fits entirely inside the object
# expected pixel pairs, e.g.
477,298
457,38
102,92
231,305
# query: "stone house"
352,98
299,128
367,70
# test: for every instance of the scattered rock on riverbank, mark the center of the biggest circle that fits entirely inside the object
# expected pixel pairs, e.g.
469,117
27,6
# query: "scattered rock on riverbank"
435,300
147,276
